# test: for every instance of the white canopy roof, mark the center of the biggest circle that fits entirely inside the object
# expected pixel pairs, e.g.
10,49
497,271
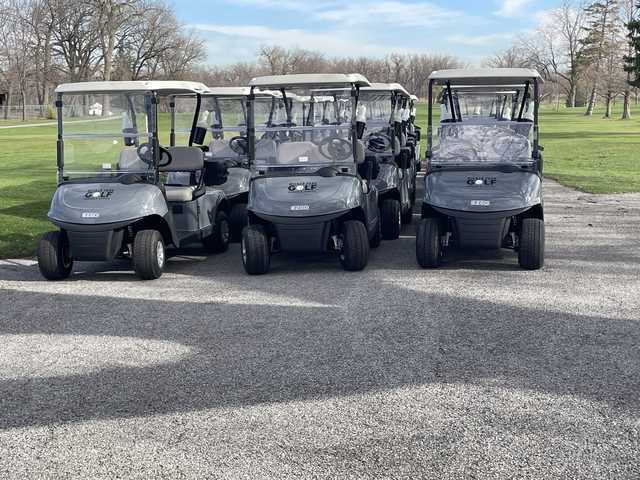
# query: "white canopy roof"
333,80
386,87
485,76
166,87
239,92
414,98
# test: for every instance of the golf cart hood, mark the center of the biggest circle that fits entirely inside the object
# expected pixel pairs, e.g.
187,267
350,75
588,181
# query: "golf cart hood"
304,195
483,190
105,203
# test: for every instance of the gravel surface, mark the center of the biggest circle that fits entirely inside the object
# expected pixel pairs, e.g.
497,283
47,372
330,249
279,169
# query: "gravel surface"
476,370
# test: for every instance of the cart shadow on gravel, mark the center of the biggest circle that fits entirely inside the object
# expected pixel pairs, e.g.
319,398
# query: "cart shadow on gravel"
247,355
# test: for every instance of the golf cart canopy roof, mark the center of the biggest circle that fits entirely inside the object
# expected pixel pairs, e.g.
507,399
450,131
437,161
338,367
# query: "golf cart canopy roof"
485,76
229,92
161,86
414,98
387,87
302,80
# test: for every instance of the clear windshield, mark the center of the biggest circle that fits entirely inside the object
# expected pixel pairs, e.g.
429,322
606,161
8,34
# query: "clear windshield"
102,132
503,142
305,131
377,109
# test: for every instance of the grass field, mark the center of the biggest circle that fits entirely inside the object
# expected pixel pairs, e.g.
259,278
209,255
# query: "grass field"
591,154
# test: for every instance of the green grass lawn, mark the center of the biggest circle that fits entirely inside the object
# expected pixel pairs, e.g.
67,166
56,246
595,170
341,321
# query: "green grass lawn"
591,154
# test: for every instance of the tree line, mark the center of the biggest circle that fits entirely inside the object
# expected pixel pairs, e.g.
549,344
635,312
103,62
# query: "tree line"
587,51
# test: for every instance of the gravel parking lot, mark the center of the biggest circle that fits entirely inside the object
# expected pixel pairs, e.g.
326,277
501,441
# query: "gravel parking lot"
476,370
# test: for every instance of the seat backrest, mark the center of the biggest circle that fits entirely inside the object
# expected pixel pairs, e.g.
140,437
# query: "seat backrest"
184,159
296,153
220,149
129,160
266,150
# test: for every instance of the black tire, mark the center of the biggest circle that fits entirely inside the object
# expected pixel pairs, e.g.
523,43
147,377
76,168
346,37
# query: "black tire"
53,258
149,254
377,238
237,221
218,241
256,250
428,246
355,246
531,250
391,218
407,216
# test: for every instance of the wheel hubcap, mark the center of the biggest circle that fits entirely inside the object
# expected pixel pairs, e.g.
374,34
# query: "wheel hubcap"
224,231
160,254
244,251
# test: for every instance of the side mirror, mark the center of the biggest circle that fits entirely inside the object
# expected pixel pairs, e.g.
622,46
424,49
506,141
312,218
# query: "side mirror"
359,152
199,134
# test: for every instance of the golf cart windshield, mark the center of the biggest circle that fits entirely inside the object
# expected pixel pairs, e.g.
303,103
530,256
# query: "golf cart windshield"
484,126
304,128
101,134
379,110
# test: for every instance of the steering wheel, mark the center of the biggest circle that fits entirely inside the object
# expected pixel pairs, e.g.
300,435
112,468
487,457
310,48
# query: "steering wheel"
145,153
378,142
335,148
239,145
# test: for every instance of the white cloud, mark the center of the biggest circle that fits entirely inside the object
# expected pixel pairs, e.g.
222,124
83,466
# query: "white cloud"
512,8
246,39
480,40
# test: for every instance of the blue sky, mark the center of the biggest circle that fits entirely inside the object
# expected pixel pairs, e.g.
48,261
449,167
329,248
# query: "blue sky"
469,29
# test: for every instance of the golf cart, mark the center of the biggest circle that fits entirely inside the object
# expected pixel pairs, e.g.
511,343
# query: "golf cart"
381,111
223,115
306,194
413,131
484,171
120,193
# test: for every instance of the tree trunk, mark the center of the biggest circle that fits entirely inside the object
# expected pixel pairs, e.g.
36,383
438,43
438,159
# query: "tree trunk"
571,97
23,95
607,110
108,65
626,110
592,101
8,105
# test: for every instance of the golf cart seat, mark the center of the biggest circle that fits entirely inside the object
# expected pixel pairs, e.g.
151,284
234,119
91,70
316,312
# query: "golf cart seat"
185,160
130,161
294,153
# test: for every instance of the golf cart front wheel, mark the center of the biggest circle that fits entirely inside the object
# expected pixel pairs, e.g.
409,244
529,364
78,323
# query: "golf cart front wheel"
218,241
256,250
54,261
355,246
237,221
407,216
148,254
531,250
428,247
391,218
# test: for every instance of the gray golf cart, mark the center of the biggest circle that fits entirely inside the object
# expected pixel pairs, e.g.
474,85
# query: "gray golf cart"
120,193
484,172
384,133
414,132
306,194
221,131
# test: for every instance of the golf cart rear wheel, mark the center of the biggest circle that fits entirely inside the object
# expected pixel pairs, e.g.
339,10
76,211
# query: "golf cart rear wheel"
237,221
148,254
256,250
377,237
428,247
531,251
53,256
407,216
391,218
355,246
218,241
